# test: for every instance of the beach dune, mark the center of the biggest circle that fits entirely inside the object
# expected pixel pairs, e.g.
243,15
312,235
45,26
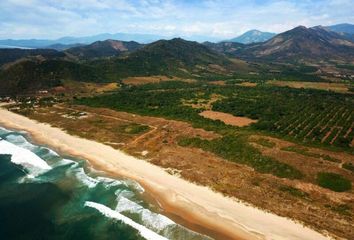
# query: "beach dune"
197,204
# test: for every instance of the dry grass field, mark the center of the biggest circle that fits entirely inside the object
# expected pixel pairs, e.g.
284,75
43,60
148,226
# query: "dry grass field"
335,87
228,118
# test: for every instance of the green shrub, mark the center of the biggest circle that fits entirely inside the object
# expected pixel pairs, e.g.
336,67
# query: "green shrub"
348,166
293,191
236,149
265,142
134,128
333,181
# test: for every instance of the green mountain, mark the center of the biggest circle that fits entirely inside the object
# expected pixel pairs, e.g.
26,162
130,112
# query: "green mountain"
31,75
168,57
9,55
176,57
227,48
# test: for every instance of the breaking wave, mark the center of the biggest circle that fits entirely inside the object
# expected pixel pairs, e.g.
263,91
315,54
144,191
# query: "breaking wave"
106,211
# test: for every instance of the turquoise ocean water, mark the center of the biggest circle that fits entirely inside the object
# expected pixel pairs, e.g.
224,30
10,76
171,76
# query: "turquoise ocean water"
44,195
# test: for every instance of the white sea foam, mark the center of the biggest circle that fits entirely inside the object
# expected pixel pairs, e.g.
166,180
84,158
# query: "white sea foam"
34,164
124,193
21,141
152,220
50,152
85,179
4,131
109,182
136,186
106,211
65,162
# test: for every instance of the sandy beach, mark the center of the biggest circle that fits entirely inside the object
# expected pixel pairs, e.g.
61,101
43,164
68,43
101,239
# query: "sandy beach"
194,203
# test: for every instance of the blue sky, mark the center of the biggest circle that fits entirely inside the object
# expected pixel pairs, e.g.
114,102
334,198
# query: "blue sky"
215,18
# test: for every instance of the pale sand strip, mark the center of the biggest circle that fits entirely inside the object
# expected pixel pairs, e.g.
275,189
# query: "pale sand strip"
192,202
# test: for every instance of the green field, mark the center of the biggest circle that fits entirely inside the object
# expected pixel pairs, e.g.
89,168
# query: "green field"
306,116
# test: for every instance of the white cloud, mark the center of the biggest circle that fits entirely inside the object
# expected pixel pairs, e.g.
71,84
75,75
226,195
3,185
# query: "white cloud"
222,18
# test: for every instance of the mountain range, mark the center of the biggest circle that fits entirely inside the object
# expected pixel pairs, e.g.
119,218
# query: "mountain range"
42,43
252,36
106,61
26,70
299,44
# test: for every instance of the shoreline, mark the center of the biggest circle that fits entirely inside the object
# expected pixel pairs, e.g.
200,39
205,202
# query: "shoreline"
198,204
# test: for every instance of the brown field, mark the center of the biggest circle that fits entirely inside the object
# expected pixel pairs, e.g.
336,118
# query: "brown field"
247,84
240,64
84,88
336,87
153,79
219,83
228,118
159,145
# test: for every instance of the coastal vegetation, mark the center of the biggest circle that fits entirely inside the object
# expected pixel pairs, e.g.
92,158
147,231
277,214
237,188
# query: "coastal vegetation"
313,117
333,181
236,149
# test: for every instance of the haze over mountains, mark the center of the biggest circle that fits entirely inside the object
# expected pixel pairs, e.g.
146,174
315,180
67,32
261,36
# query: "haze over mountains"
252,36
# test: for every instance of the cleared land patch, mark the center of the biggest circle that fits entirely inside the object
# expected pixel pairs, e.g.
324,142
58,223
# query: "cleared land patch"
228,118
335,87
152,79
247,84
84,88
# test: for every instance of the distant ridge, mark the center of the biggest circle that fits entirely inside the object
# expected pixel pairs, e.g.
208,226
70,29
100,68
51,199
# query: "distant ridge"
253,36
302,44
342,28
107,48
45,43
345,29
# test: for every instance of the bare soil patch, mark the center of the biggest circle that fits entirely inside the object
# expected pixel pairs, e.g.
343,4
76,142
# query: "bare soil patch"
218,83
228,118
84,88
247,84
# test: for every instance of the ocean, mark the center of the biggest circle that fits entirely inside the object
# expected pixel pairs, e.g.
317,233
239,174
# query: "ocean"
44,195
8,46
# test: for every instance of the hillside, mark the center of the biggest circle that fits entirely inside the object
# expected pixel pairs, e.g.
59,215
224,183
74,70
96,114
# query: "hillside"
253,36
175,57
227,48
171,57
32,75
345,30
302,44
107,48
342,28
8,55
